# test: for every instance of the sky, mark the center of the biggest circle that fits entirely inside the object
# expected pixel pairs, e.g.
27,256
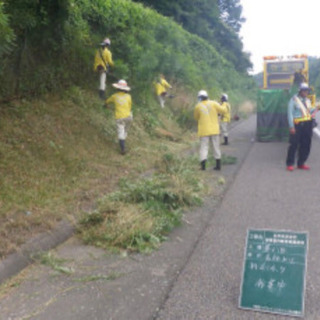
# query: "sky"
280,28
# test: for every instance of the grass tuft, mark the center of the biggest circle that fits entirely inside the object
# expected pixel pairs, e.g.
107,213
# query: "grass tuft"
49,259
225,159
112,276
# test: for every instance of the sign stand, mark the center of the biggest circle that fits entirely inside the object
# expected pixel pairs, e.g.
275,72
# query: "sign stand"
274,272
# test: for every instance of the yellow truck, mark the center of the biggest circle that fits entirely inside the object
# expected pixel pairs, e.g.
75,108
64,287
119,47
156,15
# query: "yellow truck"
281,79
284,72
281,72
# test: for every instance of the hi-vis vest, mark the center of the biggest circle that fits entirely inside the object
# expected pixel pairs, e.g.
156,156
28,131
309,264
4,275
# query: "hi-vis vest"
305,110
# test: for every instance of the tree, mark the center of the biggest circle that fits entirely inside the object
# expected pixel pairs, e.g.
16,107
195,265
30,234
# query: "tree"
30,16
231,13
39,28
216,21
6,33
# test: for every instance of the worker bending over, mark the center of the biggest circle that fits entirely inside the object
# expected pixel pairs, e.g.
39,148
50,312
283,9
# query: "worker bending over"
161,87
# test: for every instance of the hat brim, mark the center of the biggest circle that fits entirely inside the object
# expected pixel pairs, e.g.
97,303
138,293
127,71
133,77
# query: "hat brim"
124,88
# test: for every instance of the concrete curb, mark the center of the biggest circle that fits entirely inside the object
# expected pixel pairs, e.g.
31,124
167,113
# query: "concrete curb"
17,261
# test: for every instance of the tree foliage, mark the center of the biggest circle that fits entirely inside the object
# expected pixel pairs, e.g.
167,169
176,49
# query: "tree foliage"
217,21
55,41
231,13
6,33
38,19
46,33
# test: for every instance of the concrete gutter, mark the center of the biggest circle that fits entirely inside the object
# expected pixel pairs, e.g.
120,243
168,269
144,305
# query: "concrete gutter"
17,261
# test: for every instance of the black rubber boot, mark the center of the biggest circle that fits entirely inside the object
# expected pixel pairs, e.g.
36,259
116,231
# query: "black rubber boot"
102,95
225,141
122,146
203,164
218,165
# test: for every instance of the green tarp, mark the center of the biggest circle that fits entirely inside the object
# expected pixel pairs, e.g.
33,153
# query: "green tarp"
272,123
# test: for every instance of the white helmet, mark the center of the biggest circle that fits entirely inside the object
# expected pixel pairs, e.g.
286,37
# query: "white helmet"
203,94
106,42
224,97
304,86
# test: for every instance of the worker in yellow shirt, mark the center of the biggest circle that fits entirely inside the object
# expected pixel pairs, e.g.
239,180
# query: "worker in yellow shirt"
225,118
161,87
102,62
122,103
206,113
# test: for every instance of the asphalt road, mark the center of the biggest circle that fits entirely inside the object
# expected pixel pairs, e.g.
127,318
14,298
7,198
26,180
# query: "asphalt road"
196,274
263,196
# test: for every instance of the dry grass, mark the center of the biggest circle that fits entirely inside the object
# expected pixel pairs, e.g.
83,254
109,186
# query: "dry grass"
247,107
121,229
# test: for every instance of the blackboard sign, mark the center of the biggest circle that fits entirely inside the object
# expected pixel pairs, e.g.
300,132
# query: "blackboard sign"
274,272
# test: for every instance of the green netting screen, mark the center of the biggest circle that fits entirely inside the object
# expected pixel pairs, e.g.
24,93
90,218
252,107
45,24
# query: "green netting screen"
272,123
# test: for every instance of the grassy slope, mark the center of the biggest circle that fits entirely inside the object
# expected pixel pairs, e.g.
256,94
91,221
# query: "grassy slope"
58,154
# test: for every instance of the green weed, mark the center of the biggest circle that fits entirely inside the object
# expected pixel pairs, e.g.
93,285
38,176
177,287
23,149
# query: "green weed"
111,276
49,259
226,159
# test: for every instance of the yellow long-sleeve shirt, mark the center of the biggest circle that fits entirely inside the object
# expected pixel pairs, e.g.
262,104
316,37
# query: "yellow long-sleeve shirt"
103,57
206,113
162,86
122,103
227,116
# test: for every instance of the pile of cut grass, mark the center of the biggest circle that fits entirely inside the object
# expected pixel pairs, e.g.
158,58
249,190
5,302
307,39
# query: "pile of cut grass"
141,213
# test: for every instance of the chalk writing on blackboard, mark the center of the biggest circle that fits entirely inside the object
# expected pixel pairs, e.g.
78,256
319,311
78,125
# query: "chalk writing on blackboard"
274,272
